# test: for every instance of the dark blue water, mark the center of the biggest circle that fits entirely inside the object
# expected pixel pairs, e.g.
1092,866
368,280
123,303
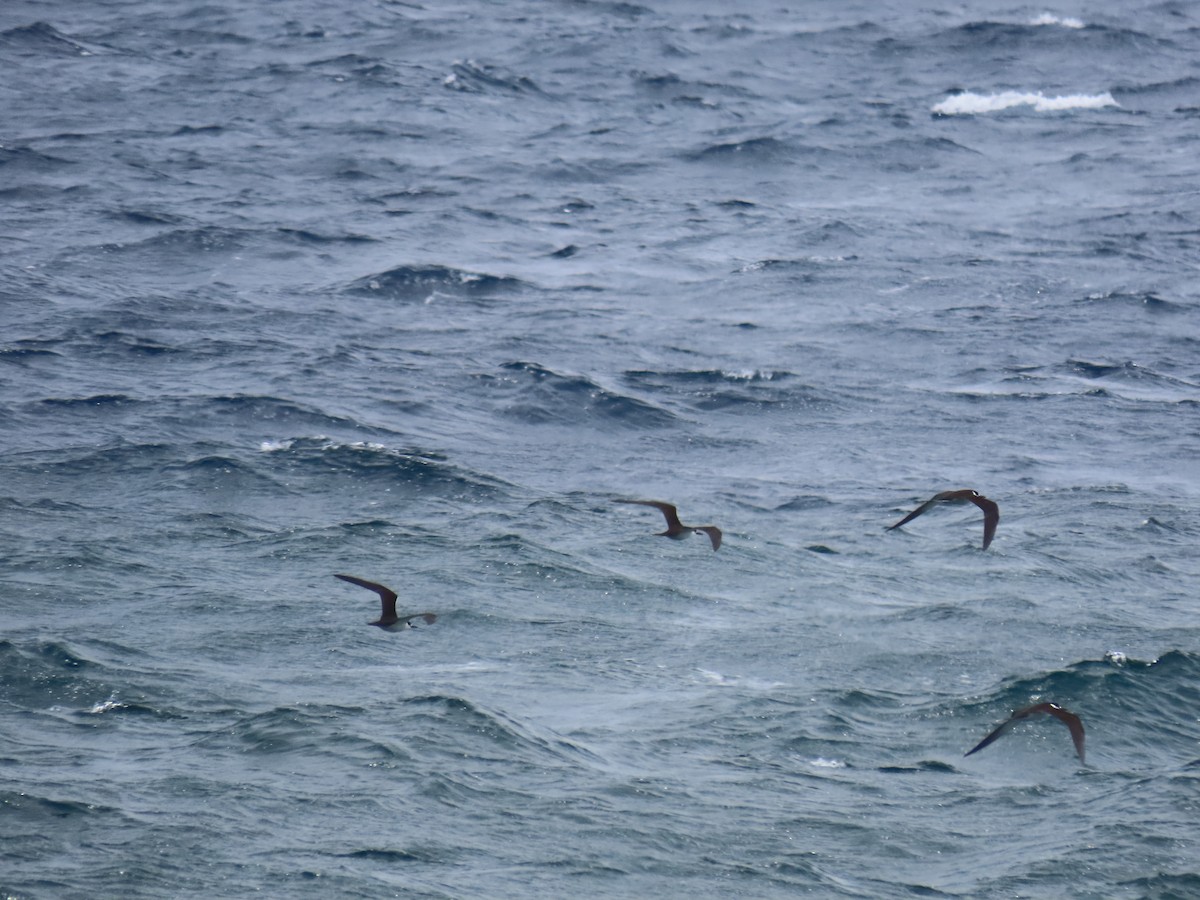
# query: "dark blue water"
415,291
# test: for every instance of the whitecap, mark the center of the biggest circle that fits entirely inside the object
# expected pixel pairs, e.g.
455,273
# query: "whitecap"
1051,19
821,763
969,103
757,684
748,374
105,706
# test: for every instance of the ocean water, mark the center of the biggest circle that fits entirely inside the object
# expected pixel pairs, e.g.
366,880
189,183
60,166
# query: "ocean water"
414,290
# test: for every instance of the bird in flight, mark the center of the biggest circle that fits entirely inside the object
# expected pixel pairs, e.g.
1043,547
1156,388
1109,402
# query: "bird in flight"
388,620
991,512
1068,718
676,529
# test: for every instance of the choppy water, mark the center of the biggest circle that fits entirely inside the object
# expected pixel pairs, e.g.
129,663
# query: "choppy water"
414,291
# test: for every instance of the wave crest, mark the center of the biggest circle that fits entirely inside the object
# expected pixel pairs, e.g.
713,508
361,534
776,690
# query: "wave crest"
536,395
968,103
423,283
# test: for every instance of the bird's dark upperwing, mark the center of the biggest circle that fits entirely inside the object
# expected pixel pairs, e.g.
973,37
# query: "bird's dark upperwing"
1073,722
386,594
991,518
668,511
1000,729
916,512
714,535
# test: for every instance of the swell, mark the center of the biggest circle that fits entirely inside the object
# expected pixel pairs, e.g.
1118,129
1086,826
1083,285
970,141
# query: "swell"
373,464
464,752
56,678
41,39
765,150
749,390
533,394
424,283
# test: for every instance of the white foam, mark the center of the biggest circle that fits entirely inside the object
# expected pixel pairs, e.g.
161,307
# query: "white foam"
109,704
968,103
822,763
758,684
748,374
326,443
1051,19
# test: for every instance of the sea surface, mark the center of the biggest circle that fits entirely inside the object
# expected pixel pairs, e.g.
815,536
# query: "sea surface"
413,291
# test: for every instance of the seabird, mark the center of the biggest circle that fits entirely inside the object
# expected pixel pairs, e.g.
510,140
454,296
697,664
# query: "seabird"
991,512
1067,717
388,620
676,529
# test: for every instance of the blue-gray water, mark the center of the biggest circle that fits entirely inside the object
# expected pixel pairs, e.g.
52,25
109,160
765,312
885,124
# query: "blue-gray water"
413,291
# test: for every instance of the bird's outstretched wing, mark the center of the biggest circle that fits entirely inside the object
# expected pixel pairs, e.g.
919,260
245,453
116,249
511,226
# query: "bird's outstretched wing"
714,535
1073,722
667,509
386,594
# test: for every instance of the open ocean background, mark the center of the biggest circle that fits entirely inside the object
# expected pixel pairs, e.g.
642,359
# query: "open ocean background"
414,290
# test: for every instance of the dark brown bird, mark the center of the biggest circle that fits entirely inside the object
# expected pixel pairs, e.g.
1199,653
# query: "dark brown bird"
1068,718
676,530
991,512
388,620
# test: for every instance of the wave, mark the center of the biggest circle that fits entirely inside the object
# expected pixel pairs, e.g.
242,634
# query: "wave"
1051,19
1128,379
755,151
120,457
456,724
424,283
43,815
94,403
145,217
1038,35
41,505
113,706
27,159
1164,884
1045,43
675,89
422,855
1119,380
252,410
53,676
304,236
1149,301
476,78
44,39
186,242
216,472
124,343
159,466
536,395
1176,96
806,268
235,414
418,469
29,350
307,731
969,103
752,390
1125,370
368,70
913,154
